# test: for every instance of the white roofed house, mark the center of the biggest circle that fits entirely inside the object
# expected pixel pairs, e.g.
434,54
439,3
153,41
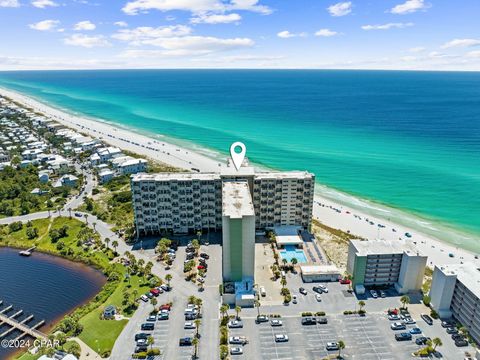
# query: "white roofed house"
59,164
133,166
108,153
105,175
94,159
66,180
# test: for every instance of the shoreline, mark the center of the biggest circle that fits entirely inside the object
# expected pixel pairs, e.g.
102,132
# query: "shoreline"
77,266
332,212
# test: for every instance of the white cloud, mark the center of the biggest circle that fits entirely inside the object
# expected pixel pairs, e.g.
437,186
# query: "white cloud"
86,41
121,24
326,33
387,26
340,9
216,18
416,49
409,6
45,25
194,6
408,58
461,43
287,34
138,35
9,3
42,4
84,26
474,54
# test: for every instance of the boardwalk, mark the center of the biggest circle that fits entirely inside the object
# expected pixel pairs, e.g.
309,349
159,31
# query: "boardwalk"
21,326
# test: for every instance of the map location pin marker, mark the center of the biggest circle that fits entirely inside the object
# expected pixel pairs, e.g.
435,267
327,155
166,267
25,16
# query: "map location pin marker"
237,158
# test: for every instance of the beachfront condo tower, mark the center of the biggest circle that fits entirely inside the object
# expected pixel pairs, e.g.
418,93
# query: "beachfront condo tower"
379,263
455,292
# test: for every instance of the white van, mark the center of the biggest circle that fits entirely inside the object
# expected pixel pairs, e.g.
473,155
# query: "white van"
262,291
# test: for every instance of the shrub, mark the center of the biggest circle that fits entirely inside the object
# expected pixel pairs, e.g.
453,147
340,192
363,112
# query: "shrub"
434,314
426,300
15,226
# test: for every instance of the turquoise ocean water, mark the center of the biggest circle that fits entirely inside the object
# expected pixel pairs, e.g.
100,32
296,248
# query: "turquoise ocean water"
409,142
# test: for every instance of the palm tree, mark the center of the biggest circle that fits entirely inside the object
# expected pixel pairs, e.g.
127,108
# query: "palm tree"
150,341
341,346
283,282
70,212
107,241
224,310
199,303
238,309
284,261
154,302
168,277
405,300
436,342
361,304
294,261
197,323
115,244
257,305
94,224
86,218
463,330
192,299
195,344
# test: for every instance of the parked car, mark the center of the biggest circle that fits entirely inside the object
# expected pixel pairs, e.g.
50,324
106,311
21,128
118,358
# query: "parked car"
415,331
189,325
262,291
322,320
457,337
191,316
374,294
77,214
393,317
276,322
447,324
461,343
235,324
148,326
331,346
144,298
163,315
398,326
302,291
427,319
324,288
141,342
152,318
294,299
240,340
165,307
382,294
403,336
345,281
165,287
317,289
139,349
236,351
452,330
409,321
318,297
205,256
141,336
187,341
281,338
309,321
261,318
422,340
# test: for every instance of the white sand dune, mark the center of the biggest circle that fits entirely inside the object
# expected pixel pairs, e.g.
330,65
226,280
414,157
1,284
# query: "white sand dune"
331,213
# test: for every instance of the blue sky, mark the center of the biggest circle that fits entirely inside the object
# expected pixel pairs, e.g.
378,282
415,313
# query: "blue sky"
357,34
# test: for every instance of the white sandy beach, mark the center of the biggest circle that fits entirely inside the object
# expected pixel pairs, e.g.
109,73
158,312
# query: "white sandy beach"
332,214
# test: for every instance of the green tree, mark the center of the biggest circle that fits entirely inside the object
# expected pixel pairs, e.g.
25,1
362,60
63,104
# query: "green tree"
294,261
150,342
107,241
405,300
223,352
257,305
197,326
341,346
436,342
195,344
283,282
361,304
238,309
168,278
224,310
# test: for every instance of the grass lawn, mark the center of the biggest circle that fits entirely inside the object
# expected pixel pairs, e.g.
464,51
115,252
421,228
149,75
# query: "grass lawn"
99,334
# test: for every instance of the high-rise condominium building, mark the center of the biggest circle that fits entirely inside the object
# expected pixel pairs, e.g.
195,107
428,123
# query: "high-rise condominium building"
189,202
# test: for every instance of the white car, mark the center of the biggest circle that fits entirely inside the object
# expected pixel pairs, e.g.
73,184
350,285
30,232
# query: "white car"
189,325
240,340
144,298
281,338
236,351
318,297
235,324
294,299
374,294
324,288
276,322
331,346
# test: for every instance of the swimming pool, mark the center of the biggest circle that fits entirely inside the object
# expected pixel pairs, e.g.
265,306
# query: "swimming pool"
291,252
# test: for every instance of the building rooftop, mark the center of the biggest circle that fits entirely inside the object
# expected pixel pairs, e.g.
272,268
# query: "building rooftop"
468,274
383,247
175,176
319,269
237,201
284,175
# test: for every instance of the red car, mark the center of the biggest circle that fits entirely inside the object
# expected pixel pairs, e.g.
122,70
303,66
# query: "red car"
201,267
166,307
155,292
345,281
